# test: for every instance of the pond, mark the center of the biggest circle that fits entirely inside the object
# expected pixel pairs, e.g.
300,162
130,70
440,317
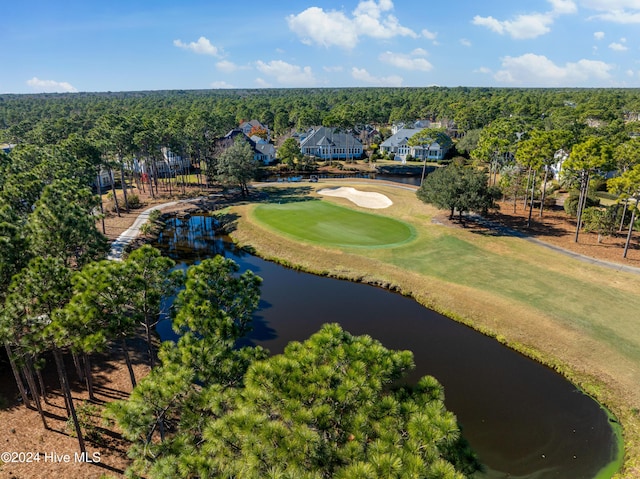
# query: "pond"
523,419
396,178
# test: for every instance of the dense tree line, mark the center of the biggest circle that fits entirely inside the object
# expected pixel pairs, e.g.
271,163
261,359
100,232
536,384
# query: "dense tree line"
48,118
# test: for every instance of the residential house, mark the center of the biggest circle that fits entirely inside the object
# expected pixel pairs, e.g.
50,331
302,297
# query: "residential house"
560,156
263,151
397,126
369,134
168,165
398,145
331,144
7,147
246,127
104,177
424,123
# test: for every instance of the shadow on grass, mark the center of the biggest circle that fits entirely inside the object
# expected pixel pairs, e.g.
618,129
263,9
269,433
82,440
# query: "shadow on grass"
289,194
504,225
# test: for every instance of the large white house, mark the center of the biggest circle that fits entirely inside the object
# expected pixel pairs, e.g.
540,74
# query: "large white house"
331,144
398,145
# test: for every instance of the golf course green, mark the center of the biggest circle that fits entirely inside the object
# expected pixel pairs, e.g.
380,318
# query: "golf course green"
328,224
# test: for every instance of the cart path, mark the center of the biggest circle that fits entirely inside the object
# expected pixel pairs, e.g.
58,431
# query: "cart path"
119,244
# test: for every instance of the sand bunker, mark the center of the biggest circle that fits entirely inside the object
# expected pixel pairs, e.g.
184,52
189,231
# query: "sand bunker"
366,199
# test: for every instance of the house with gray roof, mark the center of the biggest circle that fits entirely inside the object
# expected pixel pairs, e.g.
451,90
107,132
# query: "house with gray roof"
263,151
247,126
398,145
331,144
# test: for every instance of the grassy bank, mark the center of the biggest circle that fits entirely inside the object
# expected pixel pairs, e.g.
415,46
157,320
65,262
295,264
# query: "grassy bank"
575,317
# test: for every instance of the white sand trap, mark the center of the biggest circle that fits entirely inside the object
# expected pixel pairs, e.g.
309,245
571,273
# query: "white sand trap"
365,199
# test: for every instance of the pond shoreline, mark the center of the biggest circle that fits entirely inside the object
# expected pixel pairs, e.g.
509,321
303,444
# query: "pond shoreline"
255,243
252,237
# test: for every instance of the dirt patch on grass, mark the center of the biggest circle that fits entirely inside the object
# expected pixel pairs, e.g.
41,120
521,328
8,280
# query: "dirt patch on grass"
557,228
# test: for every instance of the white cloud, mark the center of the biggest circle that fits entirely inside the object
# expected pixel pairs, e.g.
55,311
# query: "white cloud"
530,25
630,73
618,47
51,86
419,52
406,62
364,76
598,35
286,73
333,69
221,84
522,27
610,4
538,70
428,34
202,47
619,16
314,25
334,28
464,42
563,7
484,70
616,11
229,67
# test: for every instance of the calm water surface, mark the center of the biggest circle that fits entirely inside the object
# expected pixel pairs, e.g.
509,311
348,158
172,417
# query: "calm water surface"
523,420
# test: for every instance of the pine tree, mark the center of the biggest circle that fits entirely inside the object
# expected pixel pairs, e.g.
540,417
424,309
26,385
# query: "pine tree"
62,225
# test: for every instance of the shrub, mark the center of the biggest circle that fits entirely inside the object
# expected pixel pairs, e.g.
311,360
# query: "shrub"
552,187
600,220
598,184
155,215
134,201
111,203
571,203
89,417
146,228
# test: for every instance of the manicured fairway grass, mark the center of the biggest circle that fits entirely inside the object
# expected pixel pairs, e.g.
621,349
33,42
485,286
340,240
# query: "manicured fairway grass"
608,314
332,225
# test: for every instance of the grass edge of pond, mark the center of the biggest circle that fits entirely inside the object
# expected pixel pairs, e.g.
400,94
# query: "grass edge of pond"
625,424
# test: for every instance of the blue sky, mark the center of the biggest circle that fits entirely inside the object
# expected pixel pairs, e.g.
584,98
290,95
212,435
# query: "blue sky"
123,45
